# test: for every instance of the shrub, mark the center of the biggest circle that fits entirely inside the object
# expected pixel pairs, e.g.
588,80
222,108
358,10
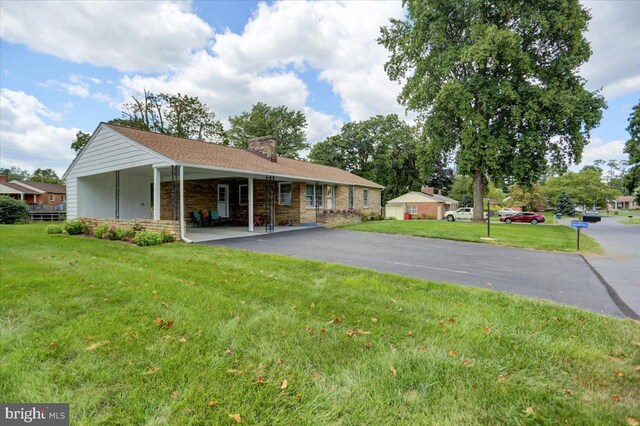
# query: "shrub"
167,237
54,229
127,234
616,212
76,227
137,227
100,231
148,238
12,211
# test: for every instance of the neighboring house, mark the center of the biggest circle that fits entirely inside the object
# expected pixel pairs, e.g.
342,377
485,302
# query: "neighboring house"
33,192
124,173
624,202
424,204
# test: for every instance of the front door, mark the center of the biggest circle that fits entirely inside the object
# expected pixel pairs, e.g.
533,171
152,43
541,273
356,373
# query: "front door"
330,197
223,200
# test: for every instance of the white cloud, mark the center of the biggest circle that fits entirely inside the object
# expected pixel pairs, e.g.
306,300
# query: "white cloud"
126,35
27,141
83,87
614,34
261,64
599,149
321,125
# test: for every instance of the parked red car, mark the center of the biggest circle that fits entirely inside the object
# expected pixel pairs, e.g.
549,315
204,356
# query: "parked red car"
532,218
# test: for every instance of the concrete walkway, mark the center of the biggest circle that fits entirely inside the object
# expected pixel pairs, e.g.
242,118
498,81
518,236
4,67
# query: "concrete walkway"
620,265
564,278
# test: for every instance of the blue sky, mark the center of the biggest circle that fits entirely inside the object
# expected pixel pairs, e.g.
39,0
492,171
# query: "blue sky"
68,68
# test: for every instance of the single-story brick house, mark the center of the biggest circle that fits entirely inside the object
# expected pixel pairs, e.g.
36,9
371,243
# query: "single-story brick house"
33,192
130,175
624,202
420,205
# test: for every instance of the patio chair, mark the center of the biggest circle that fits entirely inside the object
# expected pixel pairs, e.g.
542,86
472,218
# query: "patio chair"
215,217
206,218
197,219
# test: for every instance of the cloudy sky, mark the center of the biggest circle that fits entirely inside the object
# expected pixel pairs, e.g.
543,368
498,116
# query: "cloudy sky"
67,66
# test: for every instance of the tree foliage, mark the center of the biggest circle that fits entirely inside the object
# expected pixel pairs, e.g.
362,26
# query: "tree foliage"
287,125
584,187
11,210
527,197
632,148
565,204
176,115
15,173
81,140
462,189
441,176
496,84
45,176
382,149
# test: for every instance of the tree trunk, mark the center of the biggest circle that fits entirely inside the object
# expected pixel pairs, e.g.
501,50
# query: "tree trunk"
478,212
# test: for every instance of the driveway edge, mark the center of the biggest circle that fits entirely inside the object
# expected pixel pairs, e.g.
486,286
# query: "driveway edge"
626,310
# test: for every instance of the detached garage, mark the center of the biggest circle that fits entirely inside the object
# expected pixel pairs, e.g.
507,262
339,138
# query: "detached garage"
420,205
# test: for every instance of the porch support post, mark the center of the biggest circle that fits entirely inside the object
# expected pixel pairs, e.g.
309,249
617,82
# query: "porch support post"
22,196
117,195
156,193
182,231
250,189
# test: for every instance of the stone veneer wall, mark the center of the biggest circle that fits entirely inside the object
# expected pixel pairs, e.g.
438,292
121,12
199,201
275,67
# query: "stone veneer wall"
334,219
170,226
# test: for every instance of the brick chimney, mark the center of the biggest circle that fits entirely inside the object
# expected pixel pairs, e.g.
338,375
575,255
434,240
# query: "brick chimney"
4,178
427,190
264,146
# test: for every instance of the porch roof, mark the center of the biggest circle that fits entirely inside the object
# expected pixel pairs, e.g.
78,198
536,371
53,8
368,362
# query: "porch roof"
191,152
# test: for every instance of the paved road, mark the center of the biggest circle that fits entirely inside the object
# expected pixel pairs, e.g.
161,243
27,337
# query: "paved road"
565,278
620,265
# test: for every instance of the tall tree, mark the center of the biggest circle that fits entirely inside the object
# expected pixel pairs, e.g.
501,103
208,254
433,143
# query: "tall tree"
441,176
496,84
45,176
177,115
585,187
81,140
287,125
15,173
382,149
632,148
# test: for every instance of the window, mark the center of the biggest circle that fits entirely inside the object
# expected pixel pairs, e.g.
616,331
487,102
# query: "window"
365,198
313,195
284,193
52,197
352,197
243,194
412,209
64,198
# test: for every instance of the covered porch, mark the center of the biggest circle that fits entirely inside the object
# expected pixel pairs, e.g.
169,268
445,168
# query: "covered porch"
207,203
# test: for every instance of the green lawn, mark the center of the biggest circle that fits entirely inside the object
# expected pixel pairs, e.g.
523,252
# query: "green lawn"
540,237
153,335
628,221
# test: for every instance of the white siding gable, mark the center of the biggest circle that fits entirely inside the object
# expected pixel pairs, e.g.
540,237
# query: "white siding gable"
108,151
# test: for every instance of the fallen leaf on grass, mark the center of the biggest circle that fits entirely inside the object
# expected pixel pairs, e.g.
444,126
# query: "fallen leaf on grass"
228,352
487,330
182,340
568,392
212,403
174,394
452,320
236,417
260,379
393,371
616,398
636,343
284,384
316,375
529,410
279,361
308,329
165,304
374,320
52,345
162,323
323,330
234,371
152,370
467,362
422,348
154,295
618,373
502,378
631,421
335,320
410,333
298,396
96,345
453,353
368,345
352,333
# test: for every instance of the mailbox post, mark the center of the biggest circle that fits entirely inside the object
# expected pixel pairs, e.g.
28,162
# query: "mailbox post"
578,225
488,217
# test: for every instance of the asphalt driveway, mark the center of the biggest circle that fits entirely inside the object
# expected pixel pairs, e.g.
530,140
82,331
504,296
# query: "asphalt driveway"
564,278
620,265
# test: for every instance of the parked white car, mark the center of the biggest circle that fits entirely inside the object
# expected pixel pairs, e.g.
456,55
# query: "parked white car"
463,213
506,212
